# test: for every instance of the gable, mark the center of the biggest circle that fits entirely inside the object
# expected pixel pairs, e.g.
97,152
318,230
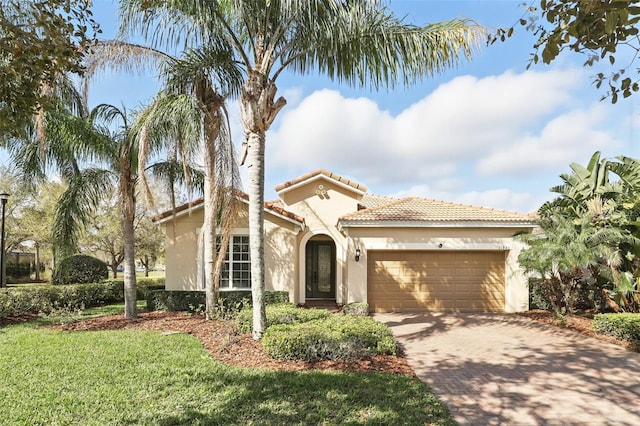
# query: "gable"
319,184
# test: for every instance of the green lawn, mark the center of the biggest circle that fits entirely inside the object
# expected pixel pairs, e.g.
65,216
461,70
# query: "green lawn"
132,377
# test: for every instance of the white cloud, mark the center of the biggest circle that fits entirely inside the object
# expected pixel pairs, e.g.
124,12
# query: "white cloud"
503,198
520,128
463,120
562,141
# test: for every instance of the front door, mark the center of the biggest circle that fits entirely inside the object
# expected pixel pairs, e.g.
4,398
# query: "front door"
321,270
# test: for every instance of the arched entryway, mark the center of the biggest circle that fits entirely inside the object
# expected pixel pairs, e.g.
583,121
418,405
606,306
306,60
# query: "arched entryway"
320,268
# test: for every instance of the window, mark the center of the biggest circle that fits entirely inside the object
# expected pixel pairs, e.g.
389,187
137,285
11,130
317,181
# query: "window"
236,270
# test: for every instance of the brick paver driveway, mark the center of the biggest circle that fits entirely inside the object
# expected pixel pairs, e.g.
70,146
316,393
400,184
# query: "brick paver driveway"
504,369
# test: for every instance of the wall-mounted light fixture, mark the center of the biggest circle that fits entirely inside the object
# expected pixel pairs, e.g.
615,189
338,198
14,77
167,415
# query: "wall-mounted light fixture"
358,254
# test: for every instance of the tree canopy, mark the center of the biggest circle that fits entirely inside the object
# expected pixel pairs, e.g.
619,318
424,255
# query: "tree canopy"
601,30
39,41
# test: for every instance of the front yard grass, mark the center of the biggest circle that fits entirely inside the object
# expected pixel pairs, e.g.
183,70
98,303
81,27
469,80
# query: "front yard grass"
150,378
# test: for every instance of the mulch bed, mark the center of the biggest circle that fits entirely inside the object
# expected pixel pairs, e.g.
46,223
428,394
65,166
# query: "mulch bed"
223,344
578,323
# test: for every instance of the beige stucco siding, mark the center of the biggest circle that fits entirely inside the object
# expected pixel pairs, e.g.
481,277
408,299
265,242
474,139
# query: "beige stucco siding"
182,251
450,239
321,212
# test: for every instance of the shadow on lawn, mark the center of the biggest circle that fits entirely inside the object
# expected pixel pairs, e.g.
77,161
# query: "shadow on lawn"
316,398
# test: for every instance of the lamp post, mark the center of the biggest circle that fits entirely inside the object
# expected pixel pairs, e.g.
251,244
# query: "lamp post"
3,198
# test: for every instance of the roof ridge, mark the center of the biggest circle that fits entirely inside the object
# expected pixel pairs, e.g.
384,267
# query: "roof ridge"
326,173
376,208
453,203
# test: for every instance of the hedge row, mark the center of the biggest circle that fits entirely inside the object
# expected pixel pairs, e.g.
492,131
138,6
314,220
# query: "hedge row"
191,301
46,298
280,313
337,337
624,326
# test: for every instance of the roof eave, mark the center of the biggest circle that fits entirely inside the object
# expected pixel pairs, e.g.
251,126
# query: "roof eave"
318,177
190,209
433,224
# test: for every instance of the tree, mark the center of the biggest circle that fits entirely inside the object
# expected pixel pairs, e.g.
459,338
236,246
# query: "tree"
190,108
103,236
356,42
596,29
39,41
37,221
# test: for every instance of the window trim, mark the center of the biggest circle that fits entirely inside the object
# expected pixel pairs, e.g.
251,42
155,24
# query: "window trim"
235,232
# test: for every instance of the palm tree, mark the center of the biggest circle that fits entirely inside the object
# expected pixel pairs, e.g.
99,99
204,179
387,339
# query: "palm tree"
189,109
356,42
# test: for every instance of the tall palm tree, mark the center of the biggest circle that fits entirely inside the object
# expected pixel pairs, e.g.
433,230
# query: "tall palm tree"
359,42
188,113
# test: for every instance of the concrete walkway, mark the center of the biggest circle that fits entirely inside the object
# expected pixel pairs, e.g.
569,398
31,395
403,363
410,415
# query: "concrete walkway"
495,369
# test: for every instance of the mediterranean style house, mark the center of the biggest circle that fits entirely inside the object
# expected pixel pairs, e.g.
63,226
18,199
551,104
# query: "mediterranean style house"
327,238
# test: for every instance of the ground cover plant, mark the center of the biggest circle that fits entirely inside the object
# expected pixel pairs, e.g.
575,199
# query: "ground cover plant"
129,374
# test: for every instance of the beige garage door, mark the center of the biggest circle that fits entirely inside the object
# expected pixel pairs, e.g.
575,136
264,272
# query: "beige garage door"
414,281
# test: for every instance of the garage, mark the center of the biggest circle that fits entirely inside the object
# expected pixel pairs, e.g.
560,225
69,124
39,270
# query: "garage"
451,281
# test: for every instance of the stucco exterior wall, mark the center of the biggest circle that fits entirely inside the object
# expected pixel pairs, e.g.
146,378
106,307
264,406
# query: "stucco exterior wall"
182,267
182,251
501,239
321,212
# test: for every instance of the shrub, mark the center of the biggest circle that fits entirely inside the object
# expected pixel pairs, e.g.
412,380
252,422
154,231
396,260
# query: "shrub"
80,269
337,337
280,313
356,308
161,300
189,301
45,299
143,285
624,326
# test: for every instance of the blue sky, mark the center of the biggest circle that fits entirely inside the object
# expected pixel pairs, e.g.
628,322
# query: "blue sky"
489,132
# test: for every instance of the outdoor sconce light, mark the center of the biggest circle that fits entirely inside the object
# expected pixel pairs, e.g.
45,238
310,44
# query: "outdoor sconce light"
358,254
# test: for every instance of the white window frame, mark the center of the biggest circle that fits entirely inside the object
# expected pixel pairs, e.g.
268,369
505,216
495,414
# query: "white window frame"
236,232
229,280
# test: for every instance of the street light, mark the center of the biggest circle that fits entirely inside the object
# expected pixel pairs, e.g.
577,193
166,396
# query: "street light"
3,198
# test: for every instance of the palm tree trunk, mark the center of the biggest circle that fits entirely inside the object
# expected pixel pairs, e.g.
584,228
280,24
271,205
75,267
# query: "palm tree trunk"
128,206
209,230
258,112
255,189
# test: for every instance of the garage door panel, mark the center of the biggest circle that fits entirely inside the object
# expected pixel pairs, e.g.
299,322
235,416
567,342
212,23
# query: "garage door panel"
413,281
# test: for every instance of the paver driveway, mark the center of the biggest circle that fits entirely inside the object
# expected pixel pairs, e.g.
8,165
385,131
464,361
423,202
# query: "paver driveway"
504,369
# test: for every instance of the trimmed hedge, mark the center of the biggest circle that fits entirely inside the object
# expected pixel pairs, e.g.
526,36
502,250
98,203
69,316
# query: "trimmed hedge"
80,269
337,337
143,285
280,313
190,301
624,326
356,308
46,298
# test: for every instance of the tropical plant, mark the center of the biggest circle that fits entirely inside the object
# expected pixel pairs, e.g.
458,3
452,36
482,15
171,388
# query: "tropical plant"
357,42
189,109
592,232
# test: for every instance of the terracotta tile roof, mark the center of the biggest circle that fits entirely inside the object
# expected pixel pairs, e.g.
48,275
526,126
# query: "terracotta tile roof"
271,206
415,209
323,172
369,201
